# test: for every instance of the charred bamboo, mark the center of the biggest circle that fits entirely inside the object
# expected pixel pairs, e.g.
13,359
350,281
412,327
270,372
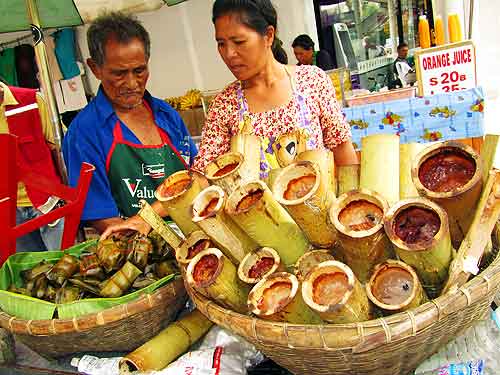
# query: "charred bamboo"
259,264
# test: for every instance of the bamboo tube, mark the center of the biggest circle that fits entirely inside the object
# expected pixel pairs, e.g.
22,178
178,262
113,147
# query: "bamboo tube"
166,346
332,290
194,243
450,175
347,178
326,165
249,146
149,215
395,287
228,172
253,207
489,154
418,229
278,298
209,215
299,189
380,165
259,264
472,249
121,281
407,154
176,194
358,219
310,260
212,274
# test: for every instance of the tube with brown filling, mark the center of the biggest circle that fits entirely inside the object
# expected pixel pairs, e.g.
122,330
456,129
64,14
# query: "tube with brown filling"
259,264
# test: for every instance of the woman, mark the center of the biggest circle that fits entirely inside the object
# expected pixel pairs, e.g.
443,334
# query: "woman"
303,48
271,100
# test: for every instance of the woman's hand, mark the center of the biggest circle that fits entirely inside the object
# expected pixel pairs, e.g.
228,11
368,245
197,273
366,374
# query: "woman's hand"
134,223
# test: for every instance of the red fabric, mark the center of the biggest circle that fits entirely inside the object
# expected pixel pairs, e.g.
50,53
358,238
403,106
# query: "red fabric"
33,151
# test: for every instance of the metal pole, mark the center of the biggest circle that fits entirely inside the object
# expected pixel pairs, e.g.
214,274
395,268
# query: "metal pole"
46,82
471,17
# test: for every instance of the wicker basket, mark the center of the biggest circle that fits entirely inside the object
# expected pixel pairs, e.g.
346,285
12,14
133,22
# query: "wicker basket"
392,345
121,328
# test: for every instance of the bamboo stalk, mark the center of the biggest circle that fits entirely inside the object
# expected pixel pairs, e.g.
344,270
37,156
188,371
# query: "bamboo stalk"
472,249
253,207
259,264
309,261
278,298
407,154
347,178
459,202
358,219
209,214
166,346
194,243
395,287
300,190
228,172
158,224
427,247
380,165
326,165
249,146
489,154
212,274
332,290
177,193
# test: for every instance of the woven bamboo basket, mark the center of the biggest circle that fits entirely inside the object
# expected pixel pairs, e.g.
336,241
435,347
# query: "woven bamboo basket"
120,328
393,345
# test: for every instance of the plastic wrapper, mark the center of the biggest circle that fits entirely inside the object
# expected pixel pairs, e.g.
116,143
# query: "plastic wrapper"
468,368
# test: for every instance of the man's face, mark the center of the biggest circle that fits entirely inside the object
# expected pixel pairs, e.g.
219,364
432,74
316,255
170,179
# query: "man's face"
124,73
403,52
303,56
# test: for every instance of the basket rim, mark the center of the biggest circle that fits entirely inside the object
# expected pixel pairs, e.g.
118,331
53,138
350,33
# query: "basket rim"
52,327
368,335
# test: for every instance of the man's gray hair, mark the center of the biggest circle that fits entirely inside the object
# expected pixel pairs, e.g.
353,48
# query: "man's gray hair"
119,26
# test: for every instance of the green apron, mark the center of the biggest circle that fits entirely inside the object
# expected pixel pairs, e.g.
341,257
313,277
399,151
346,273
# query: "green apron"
135,170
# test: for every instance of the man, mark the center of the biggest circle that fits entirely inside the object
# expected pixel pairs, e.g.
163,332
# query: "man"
402,69
23,112
303,48
134,140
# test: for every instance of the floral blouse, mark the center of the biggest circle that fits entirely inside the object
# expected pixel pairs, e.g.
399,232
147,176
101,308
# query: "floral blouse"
328,125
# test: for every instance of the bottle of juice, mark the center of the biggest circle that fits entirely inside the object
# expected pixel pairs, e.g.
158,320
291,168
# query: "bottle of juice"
424,33
439,31
454,28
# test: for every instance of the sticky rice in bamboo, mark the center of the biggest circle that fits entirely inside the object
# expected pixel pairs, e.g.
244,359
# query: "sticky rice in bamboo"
228,171
194,243
323,158
309,261
259,264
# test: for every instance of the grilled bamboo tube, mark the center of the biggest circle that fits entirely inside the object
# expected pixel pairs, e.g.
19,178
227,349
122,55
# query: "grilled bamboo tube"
176,194
300,190
249,146
407,154
418,229
209,215
253,207
166,346
309,261
120,281
194,243
228,171
473,247
457,189
149,215
358,218
332,290
489,154
278,298
259,264
380,165
212,274
326,165
395,287
347,178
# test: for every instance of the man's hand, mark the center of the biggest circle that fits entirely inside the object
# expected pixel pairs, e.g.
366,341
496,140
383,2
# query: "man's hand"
134,223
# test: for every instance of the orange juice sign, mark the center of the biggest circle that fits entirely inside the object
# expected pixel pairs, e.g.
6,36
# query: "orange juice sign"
446,69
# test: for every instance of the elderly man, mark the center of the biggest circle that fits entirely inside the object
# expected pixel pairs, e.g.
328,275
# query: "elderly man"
134,140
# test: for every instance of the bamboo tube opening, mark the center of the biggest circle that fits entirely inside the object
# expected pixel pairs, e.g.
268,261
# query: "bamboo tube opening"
393,286
416,224
224,165
246,197
128,366
329,286
174,186
208,203
194,244
205,267
446,170
358,213
259,264
310,260
272,294
297,183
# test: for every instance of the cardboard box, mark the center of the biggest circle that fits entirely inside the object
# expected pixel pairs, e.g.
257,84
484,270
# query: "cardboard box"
194,120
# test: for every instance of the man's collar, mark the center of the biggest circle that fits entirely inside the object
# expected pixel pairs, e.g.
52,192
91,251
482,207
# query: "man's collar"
8,97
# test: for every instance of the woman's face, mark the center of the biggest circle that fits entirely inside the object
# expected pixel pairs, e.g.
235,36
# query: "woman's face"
303,56
243,49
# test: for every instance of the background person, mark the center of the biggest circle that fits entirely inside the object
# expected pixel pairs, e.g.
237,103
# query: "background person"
303,48
404,71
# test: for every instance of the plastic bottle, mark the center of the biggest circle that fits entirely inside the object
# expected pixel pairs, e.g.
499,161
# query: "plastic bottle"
481,341
454,28
439,31
424,33
91,365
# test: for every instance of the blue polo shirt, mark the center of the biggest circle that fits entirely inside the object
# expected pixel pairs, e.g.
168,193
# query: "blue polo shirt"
89,139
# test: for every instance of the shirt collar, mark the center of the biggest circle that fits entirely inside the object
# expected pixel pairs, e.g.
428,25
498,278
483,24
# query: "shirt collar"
9,98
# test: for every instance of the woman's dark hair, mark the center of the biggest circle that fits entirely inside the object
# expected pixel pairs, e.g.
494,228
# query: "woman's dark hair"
279,52
258,15
303,41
